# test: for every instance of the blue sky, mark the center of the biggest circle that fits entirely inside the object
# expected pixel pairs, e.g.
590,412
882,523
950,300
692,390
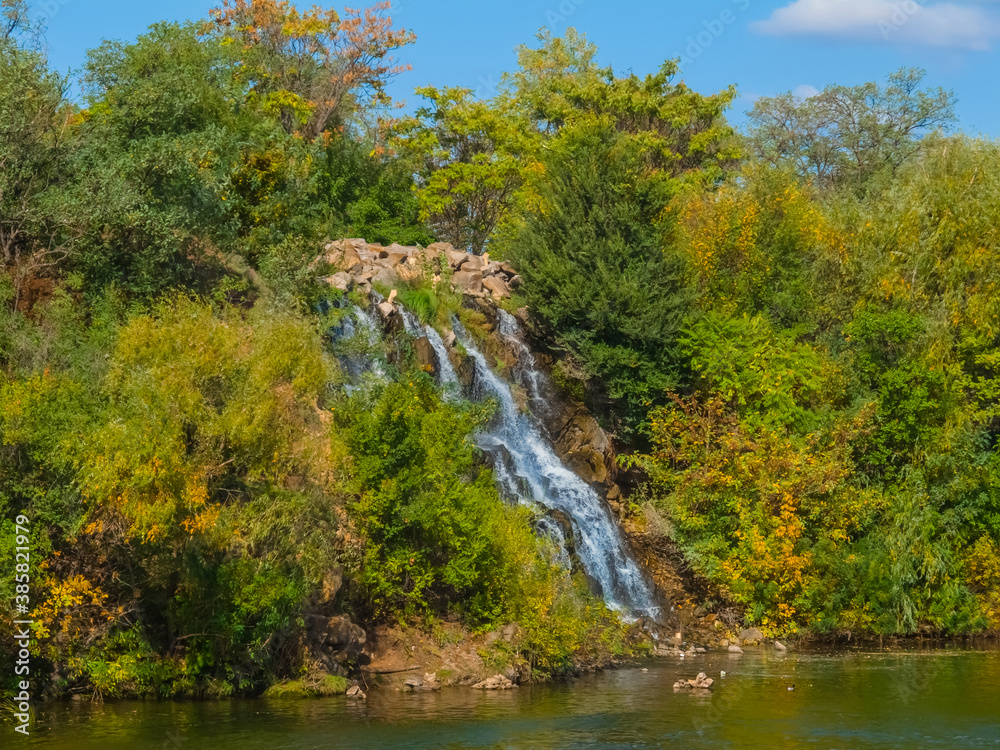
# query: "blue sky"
765,47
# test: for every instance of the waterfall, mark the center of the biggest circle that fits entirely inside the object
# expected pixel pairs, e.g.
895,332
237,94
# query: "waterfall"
528,469
508,328
356,340
446,371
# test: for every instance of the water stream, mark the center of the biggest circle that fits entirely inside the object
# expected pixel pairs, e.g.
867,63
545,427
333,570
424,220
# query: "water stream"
529,471
447,376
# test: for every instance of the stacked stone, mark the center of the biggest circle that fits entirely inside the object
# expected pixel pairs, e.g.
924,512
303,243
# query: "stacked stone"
360,265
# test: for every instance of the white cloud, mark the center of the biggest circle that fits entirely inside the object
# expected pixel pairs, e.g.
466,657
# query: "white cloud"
904,21
805,91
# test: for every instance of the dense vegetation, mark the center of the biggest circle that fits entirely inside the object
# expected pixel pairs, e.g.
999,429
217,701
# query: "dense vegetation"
793,333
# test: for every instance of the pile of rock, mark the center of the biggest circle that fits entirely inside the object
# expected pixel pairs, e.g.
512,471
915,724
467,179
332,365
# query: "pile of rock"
701,682
496,682
428,682
359,265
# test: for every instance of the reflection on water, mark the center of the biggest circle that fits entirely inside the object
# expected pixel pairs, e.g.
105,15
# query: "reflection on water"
947,698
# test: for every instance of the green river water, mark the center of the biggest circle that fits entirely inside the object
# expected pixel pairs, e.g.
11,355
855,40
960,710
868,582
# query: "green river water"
940,698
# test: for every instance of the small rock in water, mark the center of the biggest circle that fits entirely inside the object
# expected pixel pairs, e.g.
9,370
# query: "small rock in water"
497,682
356,692
779,646
734,649
644,669
413,682
701,682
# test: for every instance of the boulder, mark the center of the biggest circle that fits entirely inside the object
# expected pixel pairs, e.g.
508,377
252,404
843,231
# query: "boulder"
424,353
496,286
751,635
386,277
362,274
473,263
497,682
338,639
455,258
386,310
516,281
583,445
439,247
468,281
340,280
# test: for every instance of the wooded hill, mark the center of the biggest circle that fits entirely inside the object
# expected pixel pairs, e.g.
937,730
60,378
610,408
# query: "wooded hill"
791,332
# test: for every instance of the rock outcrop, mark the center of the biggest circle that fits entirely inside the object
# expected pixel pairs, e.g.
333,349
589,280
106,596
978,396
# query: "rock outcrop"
359,265
334,640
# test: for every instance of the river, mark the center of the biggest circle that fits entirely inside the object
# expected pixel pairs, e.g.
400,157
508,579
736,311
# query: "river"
938,698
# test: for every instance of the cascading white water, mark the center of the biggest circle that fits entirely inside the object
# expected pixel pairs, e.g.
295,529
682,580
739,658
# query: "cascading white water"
528,469
446,371
357,338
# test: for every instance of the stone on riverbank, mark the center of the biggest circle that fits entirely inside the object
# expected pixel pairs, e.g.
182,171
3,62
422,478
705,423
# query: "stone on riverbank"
497,682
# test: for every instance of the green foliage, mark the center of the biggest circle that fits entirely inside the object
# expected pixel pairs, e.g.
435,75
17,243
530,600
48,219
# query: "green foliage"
836,469
765,376
368,196
597,273
470,159
434,525
848,135
33,151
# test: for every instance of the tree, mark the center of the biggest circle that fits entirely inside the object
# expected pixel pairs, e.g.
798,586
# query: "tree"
596,245
598,276
471,159
845,135
310,68
678,131
34,126
15,20
477,160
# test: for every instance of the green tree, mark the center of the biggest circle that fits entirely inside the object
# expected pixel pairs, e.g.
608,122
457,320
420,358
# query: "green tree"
471,159
848,134
34,130
598,275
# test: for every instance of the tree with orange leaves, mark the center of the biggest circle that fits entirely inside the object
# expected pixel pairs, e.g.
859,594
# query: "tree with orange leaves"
312,68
